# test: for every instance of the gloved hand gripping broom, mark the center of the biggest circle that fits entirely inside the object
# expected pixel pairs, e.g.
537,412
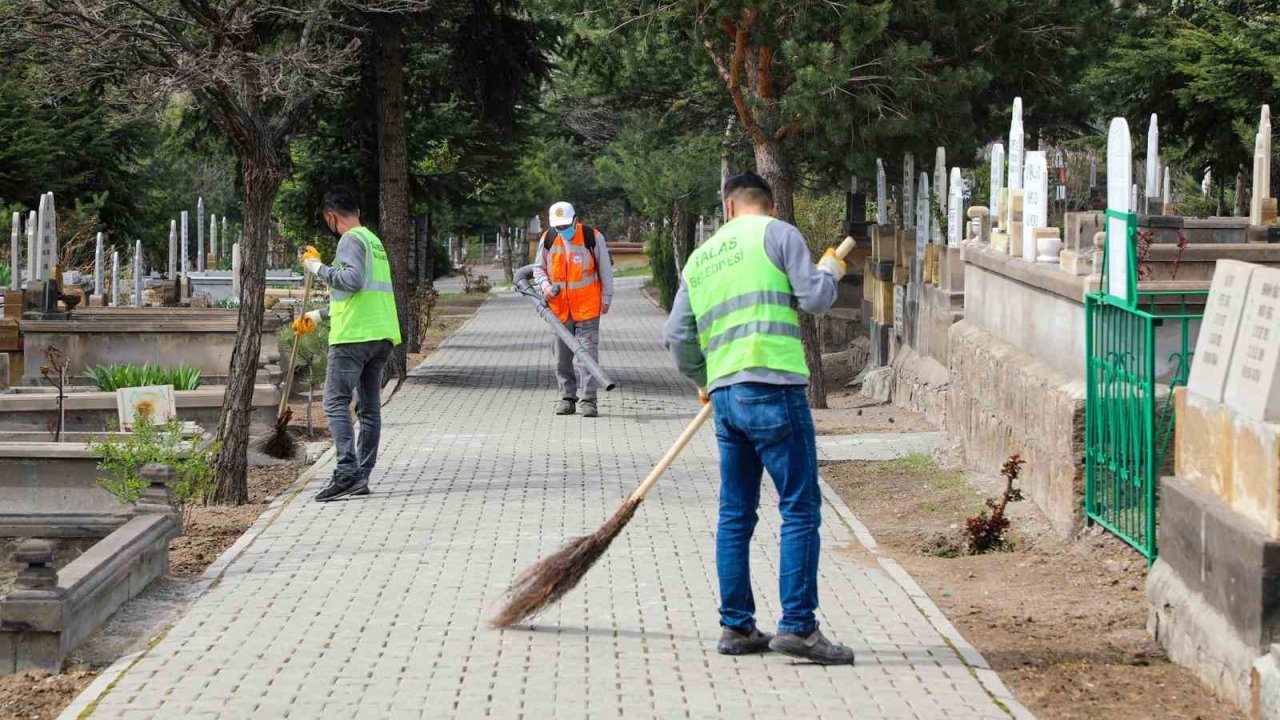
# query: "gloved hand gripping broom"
549,579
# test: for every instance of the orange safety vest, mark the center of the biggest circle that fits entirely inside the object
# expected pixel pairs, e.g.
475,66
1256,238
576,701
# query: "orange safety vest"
573,268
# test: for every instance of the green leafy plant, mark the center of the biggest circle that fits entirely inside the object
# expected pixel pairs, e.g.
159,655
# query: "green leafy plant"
124,456
312,361
227,303
6,275
109,378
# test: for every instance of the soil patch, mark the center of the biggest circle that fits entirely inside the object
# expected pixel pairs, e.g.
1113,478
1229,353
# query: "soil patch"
849,413
40,695
1063,623
214,528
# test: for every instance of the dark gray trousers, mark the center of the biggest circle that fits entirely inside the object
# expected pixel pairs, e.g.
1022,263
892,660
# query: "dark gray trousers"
355,369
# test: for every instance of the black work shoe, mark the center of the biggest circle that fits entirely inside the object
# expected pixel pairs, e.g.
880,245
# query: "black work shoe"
813,647
589,408
736,642
567,407
338,488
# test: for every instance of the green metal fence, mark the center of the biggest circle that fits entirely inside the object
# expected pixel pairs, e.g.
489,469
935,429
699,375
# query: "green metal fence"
1138,349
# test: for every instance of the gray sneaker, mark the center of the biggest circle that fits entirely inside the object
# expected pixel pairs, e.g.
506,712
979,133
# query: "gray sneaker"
812,647
589,408
566,407
735,642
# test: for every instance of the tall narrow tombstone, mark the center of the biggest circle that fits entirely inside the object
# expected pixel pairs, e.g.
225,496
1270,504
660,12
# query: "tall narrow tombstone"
955,209
235,270
882,194
99,267
186,238
47,238
115,278
173,250
908,190
1206,183
137,273
1261,166
1166,193
939,192
33,222
1035,207
200,234
997,180
1119,199
1093,171
225,237
922,225
213,240
1152,178
15,253
1016,145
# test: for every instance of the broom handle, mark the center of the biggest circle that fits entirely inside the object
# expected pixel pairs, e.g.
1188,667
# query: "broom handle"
703,415
293,354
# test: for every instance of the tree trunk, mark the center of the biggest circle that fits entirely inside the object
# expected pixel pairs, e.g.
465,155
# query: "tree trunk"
231,482
395,226
1241,208
772,165
683,227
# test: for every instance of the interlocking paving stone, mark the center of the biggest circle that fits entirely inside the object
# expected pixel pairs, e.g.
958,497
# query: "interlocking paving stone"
377,607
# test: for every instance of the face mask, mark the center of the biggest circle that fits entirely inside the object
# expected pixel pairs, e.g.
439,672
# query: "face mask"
565,232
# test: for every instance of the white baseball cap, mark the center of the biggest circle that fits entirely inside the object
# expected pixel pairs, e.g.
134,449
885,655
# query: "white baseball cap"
561,214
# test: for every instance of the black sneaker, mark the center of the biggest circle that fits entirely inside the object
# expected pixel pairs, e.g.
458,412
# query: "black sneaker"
567,407
812,647
589,408
338,488
736,642
361,488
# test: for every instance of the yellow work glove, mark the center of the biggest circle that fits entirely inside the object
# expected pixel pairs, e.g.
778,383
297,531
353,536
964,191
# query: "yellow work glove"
703,397
832,264
307,323
311,259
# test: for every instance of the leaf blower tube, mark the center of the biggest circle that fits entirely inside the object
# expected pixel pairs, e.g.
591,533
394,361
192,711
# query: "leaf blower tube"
522,282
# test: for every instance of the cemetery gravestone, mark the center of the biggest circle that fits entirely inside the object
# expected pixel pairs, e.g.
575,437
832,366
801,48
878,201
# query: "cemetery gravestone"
1035,204
15,254
997,179
1253,379
47,239
1222,315
1119,182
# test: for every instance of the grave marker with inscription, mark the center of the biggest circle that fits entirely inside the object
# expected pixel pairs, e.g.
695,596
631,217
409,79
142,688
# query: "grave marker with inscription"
1253,380
1222,314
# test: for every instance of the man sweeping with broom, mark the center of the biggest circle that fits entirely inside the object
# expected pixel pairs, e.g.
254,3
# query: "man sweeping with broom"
734,330
364,330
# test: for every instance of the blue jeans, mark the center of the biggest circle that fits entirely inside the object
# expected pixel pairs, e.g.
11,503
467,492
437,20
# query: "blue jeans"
355,369
767,427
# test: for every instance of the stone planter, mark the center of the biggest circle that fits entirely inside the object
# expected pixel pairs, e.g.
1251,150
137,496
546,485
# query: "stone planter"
32,409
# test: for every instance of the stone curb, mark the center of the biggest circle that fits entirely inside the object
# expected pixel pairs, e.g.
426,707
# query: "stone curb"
972,659
82,706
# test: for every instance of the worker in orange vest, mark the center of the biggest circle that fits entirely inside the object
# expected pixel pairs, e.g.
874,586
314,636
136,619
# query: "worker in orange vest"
575,274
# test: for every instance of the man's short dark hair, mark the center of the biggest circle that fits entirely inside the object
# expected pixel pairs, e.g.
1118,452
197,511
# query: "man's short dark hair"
750,188
342,200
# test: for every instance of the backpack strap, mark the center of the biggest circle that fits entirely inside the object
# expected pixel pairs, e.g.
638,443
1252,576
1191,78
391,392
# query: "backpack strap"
588,239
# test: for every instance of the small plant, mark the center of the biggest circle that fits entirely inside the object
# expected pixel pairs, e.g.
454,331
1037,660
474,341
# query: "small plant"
54,371
481,284
123,457
227,303
312,362
109,378
986,532
6,275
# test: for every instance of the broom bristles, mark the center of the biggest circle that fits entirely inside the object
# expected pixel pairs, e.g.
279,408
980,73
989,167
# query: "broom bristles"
280,444
552,577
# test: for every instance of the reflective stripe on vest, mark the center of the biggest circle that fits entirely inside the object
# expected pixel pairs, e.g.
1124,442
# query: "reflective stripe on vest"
371,313
744,305
572,266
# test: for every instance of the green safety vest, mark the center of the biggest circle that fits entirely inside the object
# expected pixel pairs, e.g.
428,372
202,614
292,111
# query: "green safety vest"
371,313
744,304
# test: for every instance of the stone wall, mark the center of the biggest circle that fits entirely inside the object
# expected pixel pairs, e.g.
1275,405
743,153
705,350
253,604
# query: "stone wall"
1003,400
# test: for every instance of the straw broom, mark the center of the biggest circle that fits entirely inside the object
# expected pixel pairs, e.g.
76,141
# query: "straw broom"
551,578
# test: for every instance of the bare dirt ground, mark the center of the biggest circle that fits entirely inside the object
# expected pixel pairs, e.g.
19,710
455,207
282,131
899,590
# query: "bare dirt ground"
1063,623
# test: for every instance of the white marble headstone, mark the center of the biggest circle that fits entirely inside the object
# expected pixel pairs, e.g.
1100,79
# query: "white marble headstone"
922,224
99,266
235,270
1035,205
47,238
115,278
1119,185
186,243
908,190
200,256
1217,339
1253,380
1016,143
1152,185
997,181
33,246
955,209
137,273
15,253
940,192
173,249
882,194
213,237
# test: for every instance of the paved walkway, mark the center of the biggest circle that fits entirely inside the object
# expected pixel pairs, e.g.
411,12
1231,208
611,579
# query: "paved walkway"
377,607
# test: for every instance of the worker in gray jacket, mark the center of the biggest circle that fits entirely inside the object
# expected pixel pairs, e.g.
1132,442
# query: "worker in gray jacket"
575,274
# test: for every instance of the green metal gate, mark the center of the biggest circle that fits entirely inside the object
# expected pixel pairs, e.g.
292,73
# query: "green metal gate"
1137,351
